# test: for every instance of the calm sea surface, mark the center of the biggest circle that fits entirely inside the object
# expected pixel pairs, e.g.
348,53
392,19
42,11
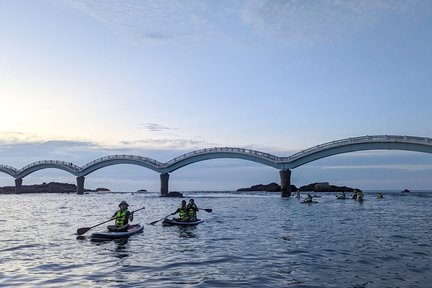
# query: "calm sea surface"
250,240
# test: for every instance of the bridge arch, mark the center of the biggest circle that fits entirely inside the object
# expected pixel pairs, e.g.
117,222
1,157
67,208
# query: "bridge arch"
8,170
220,152
120,159
45,164
383,142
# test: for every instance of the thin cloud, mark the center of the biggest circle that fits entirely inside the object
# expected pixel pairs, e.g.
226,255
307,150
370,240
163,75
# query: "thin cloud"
291,22
154,127
165,143
308,22
147,19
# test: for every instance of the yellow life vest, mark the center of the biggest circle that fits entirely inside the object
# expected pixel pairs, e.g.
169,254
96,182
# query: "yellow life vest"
192,211
183,214
121,218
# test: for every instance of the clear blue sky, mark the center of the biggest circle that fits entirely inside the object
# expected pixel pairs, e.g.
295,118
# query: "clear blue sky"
85,79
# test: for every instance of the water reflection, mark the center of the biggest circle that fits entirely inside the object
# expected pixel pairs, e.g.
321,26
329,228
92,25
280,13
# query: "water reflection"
187,232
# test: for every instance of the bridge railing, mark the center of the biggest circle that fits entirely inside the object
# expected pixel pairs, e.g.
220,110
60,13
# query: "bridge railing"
361,139
122,157
56,162
7,167
244,151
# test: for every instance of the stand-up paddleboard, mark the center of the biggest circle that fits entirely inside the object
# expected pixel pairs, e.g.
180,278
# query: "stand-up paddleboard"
133,229
173,222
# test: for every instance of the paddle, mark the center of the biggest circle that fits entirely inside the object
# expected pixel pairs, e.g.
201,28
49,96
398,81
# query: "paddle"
84,230
206,209
154,222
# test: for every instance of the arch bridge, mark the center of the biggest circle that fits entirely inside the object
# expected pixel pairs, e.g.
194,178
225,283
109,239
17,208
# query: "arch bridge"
283,164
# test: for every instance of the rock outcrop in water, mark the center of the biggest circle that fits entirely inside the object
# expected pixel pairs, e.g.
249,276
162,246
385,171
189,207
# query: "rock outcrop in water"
52,187
314,187
272,187
325,187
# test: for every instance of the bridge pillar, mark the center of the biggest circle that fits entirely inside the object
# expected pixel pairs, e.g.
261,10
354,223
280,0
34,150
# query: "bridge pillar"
164,184
285,176
18,185
80,184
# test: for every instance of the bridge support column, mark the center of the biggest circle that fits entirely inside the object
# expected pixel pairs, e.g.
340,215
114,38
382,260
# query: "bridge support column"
285,176
80,185
164,184
18,185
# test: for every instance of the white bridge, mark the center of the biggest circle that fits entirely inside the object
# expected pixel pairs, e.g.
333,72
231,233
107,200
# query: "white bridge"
375,142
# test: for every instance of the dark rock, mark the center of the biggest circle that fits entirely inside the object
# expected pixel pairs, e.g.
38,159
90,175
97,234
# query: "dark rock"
272,187
173,194
318,187
52,187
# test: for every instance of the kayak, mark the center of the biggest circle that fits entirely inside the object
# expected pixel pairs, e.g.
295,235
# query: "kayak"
171,222
308,202
133,229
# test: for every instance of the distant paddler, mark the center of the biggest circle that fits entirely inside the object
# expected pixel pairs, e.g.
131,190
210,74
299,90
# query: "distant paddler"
308,199
358,195
343,196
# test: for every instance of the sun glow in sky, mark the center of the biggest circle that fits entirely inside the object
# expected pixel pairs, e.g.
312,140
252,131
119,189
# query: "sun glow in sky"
163,78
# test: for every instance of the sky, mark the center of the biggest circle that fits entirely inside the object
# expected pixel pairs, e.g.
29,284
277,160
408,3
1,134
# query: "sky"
80,80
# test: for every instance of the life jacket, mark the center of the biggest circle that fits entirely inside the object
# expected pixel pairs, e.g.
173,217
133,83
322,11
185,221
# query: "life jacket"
192,211
183,213
121,218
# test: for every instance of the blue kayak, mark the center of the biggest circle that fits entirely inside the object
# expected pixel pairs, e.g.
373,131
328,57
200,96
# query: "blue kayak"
133,229
173,222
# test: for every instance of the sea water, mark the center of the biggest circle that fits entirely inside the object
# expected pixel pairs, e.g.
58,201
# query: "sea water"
249,240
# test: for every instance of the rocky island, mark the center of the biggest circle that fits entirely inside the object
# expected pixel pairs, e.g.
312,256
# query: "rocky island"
313,187
52,187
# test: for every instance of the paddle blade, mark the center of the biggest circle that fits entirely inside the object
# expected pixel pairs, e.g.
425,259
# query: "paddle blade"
82,231
154,222
207,210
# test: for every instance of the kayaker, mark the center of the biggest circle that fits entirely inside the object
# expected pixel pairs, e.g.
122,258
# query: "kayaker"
183,212
308,198
122,218
341,196
360,196
192,210
354,194
380,195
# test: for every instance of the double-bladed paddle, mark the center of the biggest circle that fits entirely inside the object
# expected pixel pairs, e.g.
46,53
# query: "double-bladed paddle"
84,230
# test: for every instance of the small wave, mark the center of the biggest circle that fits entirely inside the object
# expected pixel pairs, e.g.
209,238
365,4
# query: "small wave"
20,247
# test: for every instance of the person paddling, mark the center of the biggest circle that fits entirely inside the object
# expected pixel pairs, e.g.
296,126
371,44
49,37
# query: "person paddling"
192,210
183,212
342,196
308,198
122,218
